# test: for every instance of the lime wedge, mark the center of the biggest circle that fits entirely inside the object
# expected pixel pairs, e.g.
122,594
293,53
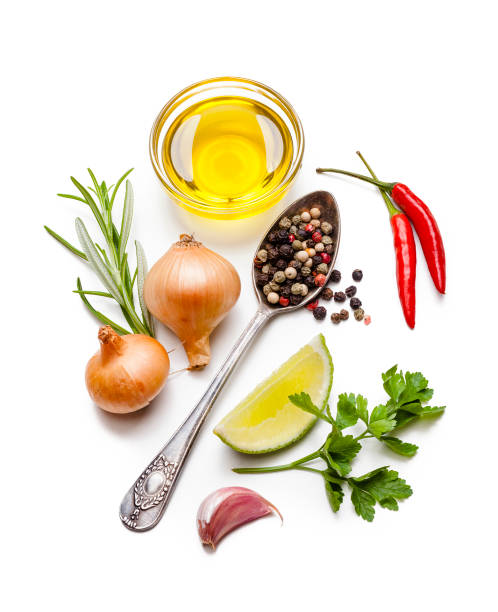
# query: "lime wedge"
266,420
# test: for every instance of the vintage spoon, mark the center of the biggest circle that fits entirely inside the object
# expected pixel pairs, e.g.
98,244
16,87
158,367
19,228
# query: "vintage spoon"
145,502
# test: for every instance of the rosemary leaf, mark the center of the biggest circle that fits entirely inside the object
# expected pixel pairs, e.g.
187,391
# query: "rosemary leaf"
101,293
126,221
72,197
101,317
141,274
91,202
97,262
116,187
68,246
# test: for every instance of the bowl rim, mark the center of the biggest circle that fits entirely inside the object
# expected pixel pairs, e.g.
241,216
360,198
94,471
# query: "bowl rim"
199,205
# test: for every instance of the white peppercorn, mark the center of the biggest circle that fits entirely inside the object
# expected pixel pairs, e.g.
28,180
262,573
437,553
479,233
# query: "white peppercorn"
265,269
304,289
293,229
322,268
311,252
309,262
273,298
262,255
296,289
305,216
290,273
301,256
315,223
315,212
319,247
326,227
279,277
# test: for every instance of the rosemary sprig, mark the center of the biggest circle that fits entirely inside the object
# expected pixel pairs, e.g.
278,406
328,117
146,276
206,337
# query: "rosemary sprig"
110,263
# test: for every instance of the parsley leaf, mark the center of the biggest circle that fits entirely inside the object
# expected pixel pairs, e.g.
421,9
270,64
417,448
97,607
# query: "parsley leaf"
363,503
384,484
361,408
381,420
303,401
346,411
338,451
390,503
402,448
335,494
433,411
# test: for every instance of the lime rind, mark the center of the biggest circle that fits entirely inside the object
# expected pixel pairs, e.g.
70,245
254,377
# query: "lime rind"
319,346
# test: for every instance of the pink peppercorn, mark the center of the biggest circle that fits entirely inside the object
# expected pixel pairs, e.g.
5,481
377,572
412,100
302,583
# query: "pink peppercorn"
291,237
316,237
367,320
309,228
312,305
320,280
325,257
283,301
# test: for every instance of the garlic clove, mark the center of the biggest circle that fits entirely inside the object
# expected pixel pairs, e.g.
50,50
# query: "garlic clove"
228,508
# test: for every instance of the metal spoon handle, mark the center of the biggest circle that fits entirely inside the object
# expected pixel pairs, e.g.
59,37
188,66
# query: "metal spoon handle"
144,504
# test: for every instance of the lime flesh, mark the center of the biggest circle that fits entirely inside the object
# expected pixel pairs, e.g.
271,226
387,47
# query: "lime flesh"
266,420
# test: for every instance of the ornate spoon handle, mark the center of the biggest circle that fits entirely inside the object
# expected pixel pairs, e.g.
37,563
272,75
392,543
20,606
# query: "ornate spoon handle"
144,504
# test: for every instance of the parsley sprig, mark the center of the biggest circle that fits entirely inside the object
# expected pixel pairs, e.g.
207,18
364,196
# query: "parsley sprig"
408,395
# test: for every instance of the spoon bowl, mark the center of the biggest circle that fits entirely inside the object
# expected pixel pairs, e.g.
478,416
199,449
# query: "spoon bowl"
327,204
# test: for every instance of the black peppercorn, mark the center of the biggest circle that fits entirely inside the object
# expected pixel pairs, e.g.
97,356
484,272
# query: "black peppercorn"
286,251
295,299
302,234
285,291
309,281
339,296
335,317
357,275
272,237
327,294
273,254
282,235
320,313
295,264
281,264
329,249
350,291
316,259
354,303
272,270
344,314
335,277
261,279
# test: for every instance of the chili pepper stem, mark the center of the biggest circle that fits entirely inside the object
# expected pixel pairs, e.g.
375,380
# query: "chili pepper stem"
382,184
390,206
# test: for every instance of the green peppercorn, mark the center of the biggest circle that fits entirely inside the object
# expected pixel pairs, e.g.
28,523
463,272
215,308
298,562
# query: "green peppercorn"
326,240
296,219
284,223
326,227
305,271
322,268
267,289
319,247
296,289
279,277
274,286
359,314
297,245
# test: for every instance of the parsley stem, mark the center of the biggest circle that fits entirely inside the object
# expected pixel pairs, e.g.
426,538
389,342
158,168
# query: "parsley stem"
278,468
365,434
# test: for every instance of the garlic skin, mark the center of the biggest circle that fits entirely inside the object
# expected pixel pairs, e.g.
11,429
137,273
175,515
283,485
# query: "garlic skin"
228,508
127,372
191,289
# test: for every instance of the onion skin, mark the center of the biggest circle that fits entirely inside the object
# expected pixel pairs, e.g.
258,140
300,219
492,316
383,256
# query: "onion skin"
191,289
127,372
228,508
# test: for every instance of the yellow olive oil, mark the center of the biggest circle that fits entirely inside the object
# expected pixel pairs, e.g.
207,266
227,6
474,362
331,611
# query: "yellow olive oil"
227,151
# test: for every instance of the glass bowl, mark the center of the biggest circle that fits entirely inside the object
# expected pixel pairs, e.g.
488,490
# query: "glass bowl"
225,87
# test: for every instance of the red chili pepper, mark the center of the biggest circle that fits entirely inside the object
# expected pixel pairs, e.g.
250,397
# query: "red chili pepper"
423,221
406,260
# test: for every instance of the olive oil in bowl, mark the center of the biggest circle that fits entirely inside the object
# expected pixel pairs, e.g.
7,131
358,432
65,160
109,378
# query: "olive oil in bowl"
227,147
227,151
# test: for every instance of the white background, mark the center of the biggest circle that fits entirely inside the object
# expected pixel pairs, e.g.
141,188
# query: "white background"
413,84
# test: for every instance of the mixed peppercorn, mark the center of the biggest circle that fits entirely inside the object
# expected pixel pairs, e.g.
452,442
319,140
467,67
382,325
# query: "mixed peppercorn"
319,312
295,258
